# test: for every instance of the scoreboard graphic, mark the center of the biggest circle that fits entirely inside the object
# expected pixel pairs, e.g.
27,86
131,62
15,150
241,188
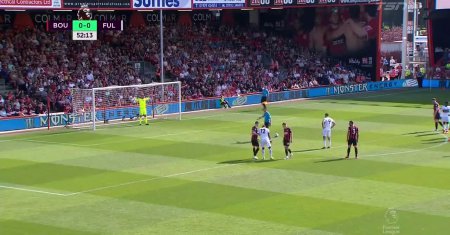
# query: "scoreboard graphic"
84,29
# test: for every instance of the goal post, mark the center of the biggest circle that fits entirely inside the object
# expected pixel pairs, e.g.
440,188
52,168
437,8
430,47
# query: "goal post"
98,106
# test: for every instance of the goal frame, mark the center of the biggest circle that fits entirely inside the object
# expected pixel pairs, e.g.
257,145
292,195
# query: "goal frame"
162,84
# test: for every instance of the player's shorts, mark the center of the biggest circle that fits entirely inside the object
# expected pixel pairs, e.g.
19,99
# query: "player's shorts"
263,99
437,116
352,142
286,143
445,118
326,133
255,142
266,143
267,124
142,113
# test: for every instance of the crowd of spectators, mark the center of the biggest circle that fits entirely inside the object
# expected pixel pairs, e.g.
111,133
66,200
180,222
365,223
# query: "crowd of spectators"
391,34
209,61
229,61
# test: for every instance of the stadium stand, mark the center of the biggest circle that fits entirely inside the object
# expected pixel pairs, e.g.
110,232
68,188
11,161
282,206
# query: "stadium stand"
209,61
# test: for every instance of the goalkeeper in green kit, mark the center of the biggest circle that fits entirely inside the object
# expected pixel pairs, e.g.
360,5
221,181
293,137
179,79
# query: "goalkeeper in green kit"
142,109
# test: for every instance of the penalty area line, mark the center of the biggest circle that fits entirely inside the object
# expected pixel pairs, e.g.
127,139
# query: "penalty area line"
410,151
32,190
404,152
143,180
110,186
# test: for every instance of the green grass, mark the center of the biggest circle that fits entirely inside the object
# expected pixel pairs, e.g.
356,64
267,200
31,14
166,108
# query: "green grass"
196,176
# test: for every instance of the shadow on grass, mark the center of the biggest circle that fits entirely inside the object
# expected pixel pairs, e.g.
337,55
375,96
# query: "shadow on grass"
429,134
248,111
445,156
242,142
246,161
434,140
307,150
417,133
330,160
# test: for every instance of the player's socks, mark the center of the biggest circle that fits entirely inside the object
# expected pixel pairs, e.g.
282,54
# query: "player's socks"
270,151
435,126
325,143
146,120
440,123
329,144
255,151
356,152
263,151
348,152
286,152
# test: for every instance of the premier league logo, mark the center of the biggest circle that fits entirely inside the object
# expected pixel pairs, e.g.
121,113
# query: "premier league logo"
391,219
84,13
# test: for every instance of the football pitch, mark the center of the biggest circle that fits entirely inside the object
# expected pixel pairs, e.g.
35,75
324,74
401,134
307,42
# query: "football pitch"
196,176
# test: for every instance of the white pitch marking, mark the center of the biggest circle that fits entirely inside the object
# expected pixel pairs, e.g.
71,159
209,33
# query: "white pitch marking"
32,190
144,180
216,167
189,172
403,152
219,114
410,151
111,186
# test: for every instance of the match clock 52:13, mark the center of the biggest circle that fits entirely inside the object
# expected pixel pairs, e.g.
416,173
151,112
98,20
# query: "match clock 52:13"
84,35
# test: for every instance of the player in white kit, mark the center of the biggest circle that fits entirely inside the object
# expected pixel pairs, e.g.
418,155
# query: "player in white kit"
444,117
266,141
327,124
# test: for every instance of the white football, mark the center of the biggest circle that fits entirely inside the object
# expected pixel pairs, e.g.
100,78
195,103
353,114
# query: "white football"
276,135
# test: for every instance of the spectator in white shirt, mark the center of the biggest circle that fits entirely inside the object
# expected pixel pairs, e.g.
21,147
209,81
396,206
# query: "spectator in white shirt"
3,112
345,77
90,76
392,62
331,80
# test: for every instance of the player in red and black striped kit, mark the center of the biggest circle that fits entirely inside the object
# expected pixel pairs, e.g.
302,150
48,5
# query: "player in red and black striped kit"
254,140
352,139
436,114
287,140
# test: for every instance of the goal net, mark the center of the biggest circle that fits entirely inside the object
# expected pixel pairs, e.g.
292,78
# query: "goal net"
98,106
